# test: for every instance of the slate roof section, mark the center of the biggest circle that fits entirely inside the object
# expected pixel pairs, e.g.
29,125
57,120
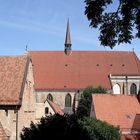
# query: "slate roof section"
12,71
118,110
53,70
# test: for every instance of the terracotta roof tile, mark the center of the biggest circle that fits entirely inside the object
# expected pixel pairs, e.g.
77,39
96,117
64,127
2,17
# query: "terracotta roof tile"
136,124
118,110
130,137
12,69
55,107
55,70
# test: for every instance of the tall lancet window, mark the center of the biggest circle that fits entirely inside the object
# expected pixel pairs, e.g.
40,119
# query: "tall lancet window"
133,89
68,100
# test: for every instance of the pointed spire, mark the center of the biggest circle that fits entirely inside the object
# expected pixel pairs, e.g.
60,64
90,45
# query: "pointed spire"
68,40
26,50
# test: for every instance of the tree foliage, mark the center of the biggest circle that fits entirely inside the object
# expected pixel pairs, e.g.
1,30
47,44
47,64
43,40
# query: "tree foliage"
69,127
61,127
83,109
114,26
98,130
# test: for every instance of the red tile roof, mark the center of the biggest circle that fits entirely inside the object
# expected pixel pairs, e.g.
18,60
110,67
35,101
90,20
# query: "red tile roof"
118,110
130,137
12,70
136,124
55,107
55,70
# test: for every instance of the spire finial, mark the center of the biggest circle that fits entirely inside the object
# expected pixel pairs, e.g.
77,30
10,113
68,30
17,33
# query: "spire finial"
68,40
26,50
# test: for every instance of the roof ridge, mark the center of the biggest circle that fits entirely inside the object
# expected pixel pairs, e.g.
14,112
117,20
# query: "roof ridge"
12,55
80,51
111,94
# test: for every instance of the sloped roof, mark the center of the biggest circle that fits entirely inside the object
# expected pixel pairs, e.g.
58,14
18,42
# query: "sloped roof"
12,70
55,70
136,124
55,107
130,137
118,110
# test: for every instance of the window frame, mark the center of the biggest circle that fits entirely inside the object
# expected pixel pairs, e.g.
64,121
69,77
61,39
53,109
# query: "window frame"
68,100
133,89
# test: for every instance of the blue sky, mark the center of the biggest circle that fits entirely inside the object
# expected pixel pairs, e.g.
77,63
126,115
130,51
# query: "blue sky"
41,24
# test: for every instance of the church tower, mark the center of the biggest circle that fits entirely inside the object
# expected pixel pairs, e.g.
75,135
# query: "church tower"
68,40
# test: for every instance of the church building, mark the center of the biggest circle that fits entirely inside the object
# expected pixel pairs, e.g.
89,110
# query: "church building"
41,83
61,76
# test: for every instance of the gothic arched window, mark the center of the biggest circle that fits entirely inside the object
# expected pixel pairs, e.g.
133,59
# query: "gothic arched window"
68,100
133,89
50,97
116,89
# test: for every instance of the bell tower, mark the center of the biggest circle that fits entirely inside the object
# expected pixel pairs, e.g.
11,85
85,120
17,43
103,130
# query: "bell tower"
68,40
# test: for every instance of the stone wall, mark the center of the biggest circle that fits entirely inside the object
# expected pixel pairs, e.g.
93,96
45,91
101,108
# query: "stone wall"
125,82
8,121
10,118
27,111
58,98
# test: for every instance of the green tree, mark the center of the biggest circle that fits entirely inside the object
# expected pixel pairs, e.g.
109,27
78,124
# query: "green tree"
69,127
115,26
84,106
61,127
98,130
